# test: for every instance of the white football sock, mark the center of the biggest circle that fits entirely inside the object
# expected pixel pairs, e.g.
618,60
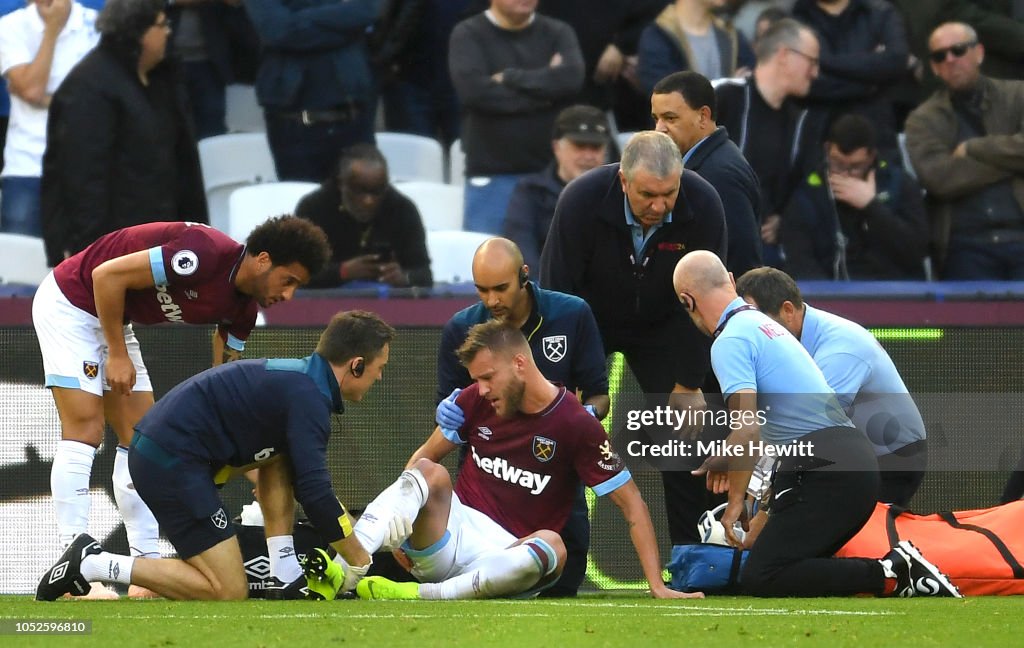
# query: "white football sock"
405,497
512,571
284,564
69,484
139,523
108,567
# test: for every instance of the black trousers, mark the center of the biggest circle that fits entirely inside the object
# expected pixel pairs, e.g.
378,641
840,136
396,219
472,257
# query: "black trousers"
816,510
901,473
576,536
1014,489
686,496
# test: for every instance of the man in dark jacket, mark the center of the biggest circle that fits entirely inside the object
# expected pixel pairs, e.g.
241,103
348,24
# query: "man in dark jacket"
375,232
617,235
580,143
687,35
120,150
864,53
314,81
683,107
862,218
780,138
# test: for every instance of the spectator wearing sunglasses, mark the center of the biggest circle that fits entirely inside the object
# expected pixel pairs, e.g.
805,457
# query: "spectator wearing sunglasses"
999,24
965,142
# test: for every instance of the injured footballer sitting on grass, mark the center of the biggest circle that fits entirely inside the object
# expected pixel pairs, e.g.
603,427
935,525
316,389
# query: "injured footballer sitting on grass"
490,535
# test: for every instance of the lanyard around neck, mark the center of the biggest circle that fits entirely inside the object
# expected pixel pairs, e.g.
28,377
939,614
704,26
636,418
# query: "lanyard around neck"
730,314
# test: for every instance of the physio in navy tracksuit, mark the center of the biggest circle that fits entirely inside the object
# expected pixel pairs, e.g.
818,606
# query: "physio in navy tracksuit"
567,348
275,414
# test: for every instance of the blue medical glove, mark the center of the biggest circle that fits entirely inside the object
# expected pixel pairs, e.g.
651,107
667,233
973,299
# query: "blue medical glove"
449,415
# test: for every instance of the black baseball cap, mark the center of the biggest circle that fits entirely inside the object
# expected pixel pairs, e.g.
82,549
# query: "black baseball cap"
582,124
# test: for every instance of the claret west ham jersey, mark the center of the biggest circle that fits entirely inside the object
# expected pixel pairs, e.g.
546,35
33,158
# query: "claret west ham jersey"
522,471
194,268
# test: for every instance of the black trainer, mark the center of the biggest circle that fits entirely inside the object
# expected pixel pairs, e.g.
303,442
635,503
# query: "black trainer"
915,575
66,576
276,590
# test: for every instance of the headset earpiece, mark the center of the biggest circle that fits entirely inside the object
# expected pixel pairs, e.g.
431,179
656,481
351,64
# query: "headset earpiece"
358,368
524,276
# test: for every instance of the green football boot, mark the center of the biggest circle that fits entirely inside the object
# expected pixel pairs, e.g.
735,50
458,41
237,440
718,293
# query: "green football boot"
378,587
324,577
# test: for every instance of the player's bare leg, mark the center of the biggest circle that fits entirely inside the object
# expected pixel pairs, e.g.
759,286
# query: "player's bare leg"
214,574
81,422
123,412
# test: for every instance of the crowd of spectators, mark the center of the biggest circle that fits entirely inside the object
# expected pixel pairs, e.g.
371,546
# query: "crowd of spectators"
884,135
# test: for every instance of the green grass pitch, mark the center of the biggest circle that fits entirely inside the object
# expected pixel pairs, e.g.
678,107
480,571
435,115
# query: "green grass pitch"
594,620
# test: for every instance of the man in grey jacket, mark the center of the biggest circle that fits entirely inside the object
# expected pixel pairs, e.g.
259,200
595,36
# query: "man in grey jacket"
967,146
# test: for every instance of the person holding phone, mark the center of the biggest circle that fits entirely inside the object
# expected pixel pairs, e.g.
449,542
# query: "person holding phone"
375,232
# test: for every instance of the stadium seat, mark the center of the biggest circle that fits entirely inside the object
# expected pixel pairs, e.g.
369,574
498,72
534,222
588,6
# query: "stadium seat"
229,162
412,157
440,205
244,114
22,259
451,254
250,206
456,164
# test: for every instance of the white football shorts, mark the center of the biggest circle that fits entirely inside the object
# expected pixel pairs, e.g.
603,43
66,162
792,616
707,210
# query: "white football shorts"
471,536
71,342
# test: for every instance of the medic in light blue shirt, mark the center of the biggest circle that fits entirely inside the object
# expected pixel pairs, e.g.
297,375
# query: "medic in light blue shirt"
865,380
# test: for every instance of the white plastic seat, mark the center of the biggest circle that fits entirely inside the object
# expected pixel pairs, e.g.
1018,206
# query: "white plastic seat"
440,205
451,254
22,259
229,162
412,157
456,164
251,206
243,113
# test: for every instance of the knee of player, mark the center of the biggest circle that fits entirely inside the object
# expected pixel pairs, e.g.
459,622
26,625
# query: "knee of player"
434,474
238,591
551,544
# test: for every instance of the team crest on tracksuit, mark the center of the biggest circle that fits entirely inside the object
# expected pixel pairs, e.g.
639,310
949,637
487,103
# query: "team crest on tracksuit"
555,347
220,519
